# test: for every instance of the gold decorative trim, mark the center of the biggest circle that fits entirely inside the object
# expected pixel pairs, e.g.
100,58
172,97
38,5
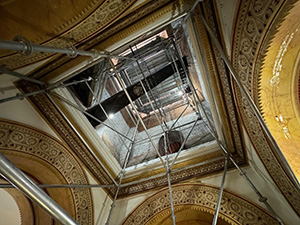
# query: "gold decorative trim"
116,32
234,208
22,139
183,175
253,20
219,76
106,13
200,159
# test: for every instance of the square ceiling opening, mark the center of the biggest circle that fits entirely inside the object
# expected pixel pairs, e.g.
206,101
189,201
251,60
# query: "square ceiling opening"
160,75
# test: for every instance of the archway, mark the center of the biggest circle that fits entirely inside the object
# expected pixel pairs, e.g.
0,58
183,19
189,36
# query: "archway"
47,161
195,204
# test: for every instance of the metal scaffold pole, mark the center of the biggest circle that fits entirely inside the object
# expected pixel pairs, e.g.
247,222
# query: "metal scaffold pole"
20,96
133,119
23,77
173,125
166,144
227,154
135,109
161,133
252,105
150,91
211,129
220,193
33,192
183,144
64,186
173,171
24,46
123,171
112,123
86,113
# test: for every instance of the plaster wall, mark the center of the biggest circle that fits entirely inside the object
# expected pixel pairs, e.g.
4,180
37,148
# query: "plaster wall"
227,11
9,211
101,202
125,206
20,110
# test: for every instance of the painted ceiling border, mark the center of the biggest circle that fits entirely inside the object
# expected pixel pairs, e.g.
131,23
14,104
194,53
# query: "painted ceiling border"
219,75
60,124
234,208
115,33
25,141
252,21
84,29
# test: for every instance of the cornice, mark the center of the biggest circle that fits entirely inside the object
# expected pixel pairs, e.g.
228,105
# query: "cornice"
122,29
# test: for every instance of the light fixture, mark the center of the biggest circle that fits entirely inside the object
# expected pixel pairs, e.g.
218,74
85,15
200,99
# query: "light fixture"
180,92
111,115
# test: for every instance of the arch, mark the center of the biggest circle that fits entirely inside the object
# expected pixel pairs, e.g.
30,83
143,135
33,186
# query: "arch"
256,29
195,203
48,161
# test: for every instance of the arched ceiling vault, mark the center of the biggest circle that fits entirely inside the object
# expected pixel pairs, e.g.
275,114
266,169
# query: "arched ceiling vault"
265,51
277,89
49,162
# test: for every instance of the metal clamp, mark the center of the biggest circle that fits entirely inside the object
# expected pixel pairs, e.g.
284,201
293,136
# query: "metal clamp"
73,53
28,45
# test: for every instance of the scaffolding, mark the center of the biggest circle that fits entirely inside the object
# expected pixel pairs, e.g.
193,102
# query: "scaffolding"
34,192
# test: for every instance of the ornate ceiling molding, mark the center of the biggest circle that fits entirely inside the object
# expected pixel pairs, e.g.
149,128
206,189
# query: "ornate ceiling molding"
84,25
176,177
99,26
67,132
116,32
219,76
62,126
234,209
20,141
252,24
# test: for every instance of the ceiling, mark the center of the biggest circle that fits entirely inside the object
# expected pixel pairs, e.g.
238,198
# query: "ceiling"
263,51
101,150
168,104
